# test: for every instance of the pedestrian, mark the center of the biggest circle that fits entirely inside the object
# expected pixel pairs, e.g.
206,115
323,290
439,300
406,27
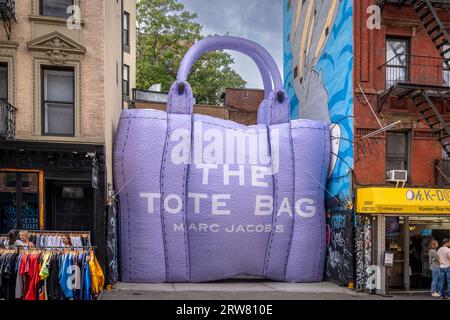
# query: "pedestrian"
444,264
435,267
24,241
67,241
13,235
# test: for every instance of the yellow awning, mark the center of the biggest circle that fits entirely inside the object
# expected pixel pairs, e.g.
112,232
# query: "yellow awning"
403,201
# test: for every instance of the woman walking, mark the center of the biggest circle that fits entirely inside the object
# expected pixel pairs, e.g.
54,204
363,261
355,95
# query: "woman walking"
433,261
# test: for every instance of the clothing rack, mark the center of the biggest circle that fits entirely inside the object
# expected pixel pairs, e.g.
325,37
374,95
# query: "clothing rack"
54,274
52,238
50,248
78,233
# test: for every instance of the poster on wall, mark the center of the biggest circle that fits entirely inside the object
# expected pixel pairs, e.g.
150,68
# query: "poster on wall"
318,70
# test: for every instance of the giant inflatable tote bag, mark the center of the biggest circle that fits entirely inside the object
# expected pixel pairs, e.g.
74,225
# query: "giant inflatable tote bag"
205,199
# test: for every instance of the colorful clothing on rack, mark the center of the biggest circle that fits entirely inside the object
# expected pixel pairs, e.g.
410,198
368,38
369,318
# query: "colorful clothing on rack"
45,275
50,240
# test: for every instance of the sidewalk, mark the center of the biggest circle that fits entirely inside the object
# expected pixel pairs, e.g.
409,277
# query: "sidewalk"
233,290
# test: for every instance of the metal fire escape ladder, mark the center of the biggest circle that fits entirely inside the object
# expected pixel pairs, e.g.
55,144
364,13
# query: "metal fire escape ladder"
433,118
435,28
7,14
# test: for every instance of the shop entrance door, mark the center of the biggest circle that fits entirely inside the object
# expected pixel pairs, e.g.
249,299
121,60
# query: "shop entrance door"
70,206
21,198
409,238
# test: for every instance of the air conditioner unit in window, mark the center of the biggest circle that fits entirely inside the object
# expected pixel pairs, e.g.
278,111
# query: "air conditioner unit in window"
397,176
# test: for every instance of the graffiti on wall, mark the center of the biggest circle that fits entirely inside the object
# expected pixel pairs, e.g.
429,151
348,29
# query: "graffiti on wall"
363,243
339,247
318,65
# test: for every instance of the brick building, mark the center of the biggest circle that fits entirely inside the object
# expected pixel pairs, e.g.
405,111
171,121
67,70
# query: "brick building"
379,72
401,84
392,66
241,105
61,94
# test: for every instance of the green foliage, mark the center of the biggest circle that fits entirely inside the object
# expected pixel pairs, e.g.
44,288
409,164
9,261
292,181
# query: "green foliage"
165,33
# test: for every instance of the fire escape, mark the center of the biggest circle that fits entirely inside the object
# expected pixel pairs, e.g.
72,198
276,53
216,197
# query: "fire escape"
7,13
425,80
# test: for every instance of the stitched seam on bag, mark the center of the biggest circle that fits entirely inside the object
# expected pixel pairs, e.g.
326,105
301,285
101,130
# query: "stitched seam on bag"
275,192
127,198
185,184
163,167
275,203
321,216
291,238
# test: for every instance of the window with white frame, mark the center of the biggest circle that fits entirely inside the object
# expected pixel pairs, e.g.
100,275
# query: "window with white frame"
58,101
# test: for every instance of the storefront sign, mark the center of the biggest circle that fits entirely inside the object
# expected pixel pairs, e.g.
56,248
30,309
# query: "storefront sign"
403,201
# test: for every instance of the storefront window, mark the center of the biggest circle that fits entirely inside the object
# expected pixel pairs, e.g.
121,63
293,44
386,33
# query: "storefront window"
19,201
409,238
30,201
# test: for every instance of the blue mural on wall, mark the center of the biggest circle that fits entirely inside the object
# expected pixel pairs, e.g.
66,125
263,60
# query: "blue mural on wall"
318,69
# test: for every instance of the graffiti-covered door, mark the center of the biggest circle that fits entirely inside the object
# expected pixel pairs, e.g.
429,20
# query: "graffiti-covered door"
20,200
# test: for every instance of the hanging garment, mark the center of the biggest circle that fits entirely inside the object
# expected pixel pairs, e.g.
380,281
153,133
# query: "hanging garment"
43,275
54,292
97,276
33,277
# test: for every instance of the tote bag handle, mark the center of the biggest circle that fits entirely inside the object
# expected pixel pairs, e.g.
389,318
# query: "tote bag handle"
276,107
247,47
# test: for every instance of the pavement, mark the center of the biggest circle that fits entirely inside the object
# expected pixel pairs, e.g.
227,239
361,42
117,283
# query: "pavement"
245,290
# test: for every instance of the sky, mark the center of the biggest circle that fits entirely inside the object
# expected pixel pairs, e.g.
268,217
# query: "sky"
257,20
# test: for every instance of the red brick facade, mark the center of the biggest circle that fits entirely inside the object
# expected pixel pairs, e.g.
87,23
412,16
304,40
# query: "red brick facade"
370,54
243,104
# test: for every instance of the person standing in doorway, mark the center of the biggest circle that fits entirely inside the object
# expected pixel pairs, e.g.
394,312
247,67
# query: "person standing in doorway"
435,267
444,264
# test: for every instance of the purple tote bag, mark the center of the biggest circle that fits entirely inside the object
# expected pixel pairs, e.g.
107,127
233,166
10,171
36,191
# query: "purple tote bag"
205,199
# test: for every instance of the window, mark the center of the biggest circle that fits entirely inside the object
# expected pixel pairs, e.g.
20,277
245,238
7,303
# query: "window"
397,155
55,8
20,196
397,61
58,101
126,29
126,80
446,71
4,81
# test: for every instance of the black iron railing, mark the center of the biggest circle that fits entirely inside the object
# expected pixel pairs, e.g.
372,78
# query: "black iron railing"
7,120
8,9
399,3
414,69
442,173
8,14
